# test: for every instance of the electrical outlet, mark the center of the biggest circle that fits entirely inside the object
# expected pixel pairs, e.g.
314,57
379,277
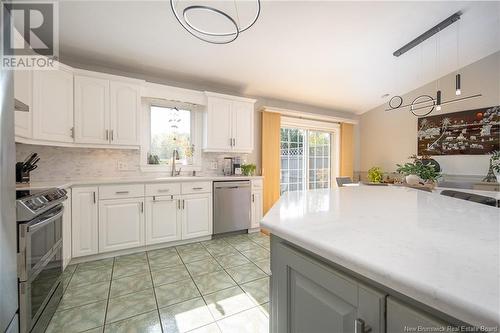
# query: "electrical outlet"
122,166
213,165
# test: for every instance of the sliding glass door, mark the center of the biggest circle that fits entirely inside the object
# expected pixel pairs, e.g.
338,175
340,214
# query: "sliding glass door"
305,159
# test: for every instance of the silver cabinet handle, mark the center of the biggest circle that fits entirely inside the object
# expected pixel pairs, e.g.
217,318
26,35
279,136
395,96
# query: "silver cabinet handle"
121,192
234,142
253,197
163,191
178,204
72,132
142,207
183,204
197,188
360,327
107,135
94,197
231,142
112,135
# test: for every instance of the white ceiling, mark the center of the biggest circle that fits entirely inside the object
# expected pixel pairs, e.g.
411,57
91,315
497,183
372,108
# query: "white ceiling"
335,55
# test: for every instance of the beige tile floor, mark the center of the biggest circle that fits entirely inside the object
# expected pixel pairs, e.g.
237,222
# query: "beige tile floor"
221,285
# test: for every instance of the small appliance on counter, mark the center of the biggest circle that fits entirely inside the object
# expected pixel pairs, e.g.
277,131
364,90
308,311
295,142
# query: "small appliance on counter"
228,166
232,166
24,168
237,166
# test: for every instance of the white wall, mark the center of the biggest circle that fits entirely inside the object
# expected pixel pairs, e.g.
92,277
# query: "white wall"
387,138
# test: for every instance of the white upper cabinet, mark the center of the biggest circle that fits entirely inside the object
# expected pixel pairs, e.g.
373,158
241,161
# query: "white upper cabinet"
91,110
53,104
218,125
242,119
228,124
106,109
125,105
23,81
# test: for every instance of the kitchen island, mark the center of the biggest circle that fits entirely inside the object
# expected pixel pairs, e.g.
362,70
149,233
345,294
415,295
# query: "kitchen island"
382,258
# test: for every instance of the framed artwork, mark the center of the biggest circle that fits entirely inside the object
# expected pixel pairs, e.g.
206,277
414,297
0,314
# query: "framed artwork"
472,132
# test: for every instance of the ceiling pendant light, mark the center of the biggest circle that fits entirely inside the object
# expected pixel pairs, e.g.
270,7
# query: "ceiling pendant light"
425,104
458,92
184,15
438,100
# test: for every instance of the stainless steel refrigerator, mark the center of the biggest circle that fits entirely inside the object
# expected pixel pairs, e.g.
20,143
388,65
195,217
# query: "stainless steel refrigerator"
8,236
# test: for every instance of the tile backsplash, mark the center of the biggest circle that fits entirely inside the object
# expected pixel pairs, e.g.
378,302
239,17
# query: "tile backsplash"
61,163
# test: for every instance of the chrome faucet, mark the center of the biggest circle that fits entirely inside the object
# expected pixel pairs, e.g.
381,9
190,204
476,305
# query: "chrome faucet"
175,156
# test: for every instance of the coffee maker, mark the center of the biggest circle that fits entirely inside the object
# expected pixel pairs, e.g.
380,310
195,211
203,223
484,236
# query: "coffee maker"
232,166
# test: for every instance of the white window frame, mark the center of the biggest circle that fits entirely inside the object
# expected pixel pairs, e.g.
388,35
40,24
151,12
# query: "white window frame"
314,125
196,134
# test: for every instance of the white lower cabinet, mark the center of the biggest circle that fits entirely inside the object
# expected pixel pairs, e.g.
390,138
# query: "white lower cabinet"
256,208
163,220
84,221
196,215
66,230
121,224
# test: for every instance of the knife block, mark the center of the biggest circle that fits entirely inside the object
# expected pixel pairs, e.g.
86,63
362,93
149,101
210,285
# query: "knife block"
21,176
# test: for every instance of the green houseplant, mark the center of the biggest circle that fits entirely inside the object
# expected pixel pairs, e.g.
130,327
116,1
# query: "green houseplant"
375,175
495,164
248,169
418,171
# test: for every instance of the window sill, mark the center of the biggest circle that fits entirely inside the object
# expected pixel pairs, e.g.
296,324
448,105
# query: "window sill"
168,168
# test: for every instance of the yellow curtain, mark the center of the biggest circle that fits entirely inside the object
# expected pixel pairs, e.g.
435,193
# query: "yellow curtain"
271,125
346,150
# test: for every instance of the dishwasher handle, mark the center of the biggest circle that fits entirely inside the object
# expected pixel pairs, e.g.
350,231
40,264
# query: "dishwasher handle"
231,185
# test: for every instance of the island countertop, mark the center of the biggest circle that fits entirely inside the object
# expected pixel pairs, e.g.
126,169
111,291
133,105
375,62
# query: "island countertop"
440,251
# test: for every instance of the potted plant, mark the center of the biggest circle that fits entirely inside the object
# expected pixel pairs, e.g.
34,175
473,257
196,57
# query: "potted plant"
495,164
248,169
419,171
375,175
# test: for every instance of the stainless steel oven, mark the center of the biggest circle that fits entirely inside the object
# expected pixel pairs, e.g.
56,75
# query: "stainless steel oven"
39,258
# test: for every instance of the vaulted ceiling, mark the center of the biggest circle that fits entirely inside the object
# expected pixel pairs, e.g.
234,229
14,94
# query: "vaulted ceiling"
330,54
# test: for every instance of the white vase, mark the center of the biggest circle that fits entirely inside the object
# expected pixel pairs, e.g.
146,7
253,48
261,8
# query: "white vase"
413,180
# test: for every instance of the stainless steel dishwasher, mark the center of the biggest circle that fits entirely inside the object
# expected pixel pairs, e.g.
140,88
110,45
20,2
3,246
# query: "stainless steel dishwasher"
231,206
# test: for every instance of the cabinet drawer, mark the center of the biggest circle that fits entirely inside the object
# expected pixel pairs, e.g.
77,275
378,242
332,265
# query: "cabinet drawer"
257,183
163,189
196,187
121,191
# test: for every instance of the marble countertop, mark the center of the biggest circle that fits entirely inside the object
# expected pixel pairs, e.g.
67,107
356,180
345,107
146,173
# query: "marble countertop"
126,180
440,251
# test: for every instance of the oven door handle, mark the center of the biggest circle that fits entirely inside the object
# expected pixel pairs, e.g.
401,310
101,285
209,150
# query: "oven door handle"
42,223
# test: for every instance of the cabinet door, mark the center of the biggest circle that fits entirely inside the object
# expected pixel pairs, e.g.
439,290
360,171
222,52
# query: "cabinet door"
218,125
23,89
125,106
53,105
162,222
66,226
242,126
306,293
256,208
91,110
84,221
196,215
401,316
121,224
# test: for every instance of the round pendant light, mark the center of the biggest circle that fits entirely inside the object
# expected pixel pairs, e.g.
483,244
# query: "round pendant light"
183,16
